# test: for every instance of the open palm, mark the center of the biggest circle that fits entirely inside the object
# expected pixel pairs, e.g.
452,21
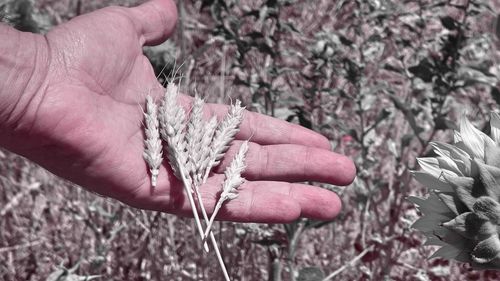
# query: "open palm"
85,125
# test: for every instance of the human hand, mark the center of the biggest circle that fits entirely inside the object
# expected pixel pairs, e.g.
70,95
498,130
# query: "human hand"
85,125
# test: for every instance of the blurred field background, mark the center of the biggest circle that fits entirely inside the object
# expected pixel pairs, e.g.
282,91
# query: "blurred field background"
380,78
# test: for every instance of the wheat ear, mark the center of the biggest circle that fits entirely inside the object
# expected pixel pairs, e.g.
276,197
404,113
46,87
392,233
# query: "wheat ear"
224,134
194,136
172,124
152,152
204,150
197,140
194,139
231,183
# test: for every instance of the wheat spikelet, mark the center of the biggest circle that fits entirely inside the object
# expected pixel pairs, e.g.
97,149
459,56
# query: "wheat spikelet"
194,138
233,174
204,150
194,134
152,152
172,124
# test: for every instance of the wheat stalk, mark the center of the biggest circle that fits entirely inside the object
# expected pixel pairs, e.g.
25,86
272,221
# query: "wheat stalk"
231,183
193,148
152,152
172,121
172,124
194,137
208,148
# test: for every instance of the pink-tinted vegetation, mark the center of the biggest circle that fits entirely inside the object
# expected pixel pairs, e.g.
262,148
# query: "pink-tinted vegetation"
381,79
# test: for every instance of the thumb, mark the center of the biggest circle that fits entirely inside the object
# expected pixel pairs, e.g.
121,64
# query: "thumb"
155,20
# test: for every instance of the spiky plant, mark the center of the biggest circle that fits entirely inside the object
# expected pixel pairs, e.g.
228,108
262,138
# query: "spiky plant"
193,147
462,212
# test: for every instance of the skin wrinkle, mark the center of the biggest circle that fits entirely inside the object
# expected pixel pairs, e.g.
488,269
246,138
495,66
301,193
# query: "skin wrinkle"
43,88
165,20
38,106
13,76
162,17
307,152
290,133
250,123
130,66
272,163
263,154
249,207
63,65
88,159
20,126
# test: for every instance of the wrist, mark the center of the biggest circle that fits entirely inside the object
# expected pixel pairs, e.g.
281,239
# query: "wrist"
24,65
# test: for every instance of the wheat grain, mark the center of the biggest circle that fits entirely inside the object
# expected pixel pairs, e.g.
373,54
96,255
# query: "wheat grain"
152,152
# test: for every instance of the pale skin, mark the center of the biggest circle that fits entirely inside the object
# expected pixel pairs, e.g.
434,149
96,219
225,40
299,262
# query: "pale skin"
71,102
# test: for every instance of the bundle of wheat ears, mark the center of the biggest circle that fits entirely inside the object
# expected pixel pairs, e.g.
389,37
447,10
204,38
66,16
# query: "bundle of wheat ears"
193,147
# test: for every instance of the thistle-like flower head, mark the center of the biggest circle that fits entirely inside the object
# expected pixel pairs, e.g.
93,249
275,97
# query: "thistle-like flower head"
462,212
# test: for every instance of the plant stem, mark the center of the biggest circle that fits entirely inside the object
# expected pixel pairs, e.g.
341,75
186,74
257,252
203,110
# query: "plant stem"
212,218
187,187
350,263
212,238
219,257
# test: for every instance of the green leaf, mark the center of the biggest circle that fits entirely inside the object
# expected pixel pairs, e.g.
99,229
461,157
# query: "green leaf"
431,205
449,23
472,137
463,187
429,224
265,48
424,70
450,201
460,157
432,182
448,252
255,35
470,225
393,68
495,93
430,165
488,176
495,128
310,274
345,41
487,207
486,250
497,26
